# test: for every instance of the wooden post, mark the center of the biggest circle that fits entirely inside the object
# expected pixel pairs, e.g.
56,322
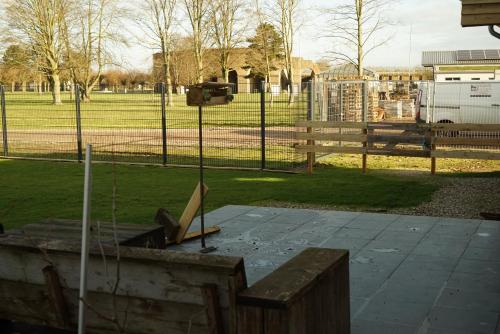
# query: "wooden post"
211,299
365,145
310,155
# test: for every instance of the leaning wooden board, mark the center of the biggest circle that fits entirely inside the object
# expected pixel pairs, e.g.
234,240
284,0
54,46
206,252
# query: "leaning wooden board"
159,291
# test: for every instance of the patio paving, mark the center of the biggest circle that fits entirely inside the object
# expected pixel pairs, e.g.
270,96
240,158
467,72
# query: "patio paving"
409,274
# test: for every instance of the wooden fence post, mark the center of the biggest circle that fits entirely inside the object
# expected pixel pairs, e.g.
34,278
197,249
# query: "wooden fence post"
365,146
310,155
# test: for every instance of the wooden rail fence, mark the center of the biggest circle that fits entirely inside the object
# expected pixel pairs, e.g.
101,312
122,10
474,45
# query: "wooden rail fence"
442,140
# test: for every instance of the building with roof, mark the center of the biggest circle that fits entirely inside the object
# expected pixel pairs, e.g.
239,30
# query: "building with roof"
240,74
463,65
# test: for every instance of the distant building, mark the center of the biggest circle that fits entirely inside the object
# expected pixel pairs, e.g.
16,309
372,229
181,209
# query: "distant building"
463,65
240,74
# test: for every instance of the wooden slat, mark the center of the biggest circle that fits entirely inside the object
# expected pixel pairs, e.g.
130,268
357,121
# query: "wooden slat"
400,153
328,125
190,212
480,20
328,149
466,155
396,139
482,8
466,127
466,141
331,137
397,126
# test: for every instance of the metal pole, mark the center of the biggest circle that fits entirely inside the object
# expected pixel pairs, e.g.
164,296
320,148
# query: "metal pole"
4,123
263,125
78,123
163,123
87,195
202,202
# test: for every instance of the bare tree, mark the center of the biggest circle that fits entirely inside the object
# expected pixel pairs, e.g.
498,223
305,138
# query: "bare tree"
197,11
89,31
157,23
287,11
355,28
38,23
227,30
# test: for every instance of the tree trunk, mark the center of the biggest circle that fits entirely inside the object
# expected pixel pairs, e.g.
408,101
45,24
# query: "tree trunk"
56,89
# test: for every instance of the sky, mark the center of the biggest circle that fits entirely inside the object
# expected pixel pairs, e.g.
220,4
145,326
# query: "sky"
430,25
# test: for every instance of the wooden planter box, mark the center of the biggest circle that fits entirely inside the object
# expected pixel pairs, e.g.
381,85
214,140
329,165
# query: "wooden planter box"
480,12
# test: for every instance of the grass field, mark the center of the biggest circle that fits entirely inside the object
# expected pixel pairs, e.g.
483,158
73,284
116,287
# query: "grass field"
107,110
32,191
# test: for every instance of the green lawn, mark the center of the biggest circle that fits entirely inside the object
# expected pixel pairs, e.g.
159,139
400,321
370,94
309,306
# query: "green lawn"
36,190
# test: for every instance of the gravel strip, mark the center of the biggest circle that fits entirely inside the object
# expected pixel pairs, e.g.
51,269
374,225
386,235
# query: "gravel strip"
461,198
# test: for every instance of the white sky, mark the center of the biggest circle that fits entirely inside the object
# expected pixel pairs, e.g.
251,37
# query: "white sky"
435,25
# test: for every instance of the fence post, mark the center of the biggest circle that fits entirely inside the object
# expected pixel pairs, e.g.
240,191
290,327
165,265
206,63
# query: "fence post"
365,120
4,123
263,125
311,157
78,123
163,123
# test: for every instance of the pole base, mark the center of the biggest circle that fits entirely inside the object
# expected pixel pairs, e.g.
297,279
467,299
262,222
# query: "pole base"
206,250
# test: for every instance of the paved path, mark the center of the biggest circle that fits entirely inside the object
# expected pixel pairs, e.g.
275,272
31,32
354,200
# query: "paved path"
409,274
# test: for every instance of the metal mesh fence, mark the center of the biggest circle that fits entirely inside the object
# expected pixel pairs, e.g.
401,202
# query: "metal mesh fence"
254,131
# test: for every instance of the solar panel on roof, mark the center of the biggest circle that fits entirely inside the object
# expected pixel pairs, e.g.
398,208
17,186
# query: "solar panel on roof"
492,54
477,55
463,55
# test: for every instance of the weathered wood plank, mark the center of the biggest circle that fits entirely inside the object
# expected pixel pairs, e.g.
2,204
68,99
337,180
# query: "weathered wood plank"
400,153
329,149
328,125
214,316
331,137
481,8
396,139
190,212
466,141
293,279
466,155
466,127
56,297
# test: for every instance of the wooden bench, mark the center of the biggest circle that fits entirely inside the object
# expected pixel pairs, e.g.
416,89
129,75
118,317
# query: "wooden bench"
160,291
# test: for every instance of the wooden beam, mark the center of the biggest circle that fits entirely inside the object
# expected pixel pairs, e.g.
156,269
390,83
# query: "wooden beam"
56,297
466,127
190,212
330,137
329,149
466,155
467,141
214,316
328,125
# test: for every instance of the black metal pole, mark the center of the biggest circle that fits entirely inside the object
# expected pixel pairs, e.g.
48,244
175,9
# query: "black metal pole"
263,125
4,123
164,123
202,202
78,124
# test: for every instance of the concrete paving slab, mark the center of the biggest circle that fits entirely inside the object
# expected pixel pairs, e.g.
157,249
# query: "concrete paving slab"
408,274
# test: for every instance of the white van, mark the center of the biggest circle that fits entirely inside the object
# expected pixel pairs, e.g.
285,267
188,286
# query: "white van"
461,102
